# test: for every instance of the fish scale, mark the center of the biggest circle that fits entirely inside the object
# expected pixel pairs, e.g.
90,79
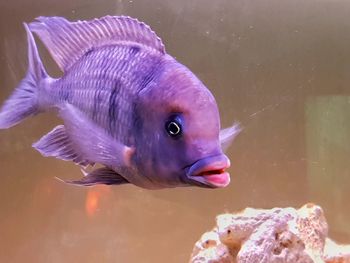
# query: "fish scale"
103,69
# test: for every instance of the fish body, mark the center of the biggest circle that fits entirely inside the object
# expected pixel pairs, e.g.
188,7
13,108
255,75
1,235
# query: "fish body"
126,104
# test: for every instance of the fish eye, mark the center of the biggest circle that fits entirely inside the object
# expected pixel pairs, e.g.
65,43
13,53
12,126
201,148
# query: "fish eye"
173,126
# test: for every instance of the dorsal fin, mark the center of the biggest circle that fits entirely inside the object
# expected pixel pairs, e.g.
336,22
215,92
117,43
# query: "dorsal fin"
68,41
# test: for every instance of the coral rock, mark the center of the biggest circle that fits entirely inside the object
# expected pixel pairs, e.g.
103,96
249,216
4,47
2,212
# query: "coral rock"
270,236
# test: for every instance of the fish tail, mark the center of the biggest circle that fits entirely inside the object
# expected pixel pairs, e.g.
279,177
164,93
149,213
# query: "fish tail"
24,101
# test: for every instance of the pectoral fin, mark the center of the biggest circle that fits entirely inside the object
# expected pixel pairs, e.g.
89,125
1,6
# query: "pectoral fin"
58,144
227,135
82,141
103,175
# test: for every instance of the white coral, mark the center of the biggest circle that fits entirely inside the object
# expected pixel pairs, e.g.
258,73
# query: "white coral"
270,236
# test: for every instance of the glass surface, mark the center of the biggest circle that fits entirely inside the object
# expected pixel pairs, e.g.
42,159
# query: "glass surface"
281,68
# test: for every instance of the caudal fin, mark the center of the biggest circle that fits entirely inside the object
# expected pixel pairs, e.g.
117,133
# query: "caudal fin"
24,100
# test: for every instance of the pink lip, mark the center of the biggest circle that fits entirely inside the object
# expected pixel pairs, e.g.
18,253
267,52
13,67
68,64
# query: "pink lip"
210,171
220,180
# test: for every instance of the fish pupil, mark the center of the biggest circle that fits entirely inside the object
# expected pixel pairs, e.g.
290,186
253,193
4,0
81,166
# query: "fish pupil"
173,127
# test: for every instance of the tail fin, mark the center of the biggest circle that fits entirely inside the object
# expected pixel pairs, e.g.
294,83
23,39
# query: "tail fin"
24,100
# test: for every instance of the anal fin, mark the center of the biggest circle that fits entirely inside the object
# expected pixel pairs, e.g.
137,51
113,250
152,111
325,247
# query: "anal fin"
103,175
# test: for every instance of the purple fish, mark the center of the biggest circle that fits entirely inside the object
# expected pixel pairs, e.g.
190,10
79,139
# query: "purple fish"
126,105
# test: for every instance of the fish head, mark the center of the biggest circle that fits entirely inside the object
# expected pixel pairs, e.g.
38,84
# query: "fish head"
178,132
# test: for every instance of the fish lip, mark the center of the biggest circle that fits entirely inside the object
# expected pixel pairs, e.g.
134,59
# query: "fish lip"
210,171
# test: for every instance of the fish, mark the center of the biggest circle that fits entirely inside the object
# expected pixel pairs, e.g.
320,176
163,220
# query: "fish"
127,106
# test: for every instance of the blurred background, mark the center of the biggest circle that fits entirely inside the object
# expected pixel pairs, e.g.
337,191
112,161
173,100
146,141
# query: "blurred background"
281,68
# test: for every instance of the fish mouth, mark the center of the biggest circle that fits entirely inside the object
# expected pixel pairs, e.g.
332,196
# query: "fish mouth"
210,172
